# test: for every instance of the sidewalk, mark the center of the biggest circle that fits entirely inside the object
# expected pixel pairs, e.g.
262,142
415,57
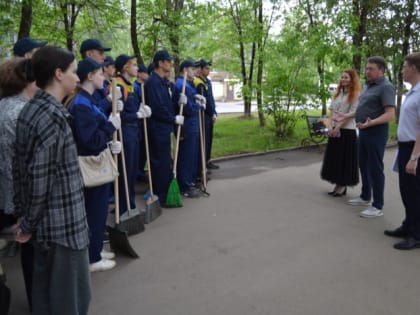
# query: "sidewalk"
268,240
233,107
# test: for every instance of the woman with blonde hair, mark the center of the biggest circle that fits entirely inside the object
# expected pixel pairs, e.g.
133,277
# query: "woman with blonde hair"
340,165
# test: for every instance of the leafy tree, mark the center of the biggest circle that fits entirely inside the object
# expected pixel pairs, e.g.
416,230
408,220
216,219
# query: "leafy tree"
9,12
133,31
292,80
243,16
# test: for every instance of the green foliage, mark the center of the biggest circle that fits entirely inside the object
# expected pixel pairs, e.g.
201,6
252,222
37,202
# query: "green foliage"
316,40
97,18
9,11
235,135
290,85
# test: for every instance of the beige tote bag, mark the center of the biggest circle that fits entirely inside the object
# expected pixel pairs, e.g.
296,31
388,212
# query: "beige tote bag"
98,170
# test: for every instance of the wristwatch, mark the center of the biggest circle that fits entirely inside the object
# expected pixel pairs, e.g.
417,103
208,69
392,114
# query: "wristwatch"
414,157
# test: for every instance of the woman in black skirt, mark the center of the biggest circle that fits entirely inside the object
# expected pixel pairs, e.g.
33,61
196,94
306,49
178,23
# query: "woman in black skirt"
340,165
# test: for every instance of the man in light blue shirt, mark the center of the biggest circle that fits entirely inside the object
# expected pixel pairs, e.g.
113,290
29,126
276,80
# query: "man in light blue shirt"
408,155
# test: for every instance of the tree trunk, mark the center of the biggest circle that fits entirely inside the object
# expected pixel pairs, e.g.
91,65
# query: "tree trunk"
133,31
405,49
172,21
69,20
25,19
360,11
260,65
321,76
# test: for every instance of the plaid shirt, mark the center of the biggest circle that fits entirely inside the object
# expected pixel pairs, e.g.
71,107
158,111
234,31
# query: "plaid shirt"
46,175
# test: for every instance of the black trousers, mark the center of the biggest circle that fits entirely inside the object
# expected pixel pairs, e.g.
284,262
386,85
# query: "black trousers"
26,256
409,190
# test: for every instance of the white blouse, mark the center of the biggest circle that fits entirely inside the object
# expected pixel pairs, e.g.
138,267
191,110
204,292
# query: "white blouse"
341,104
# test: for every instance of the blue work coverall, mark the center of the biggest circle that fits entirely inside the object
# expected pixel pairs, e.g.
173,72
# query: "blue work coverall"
131,137
160,125
189,144
92,131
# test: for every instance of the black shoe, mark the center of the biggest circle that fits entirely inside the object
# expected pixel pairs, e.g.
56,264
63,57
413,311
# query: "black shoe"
212,166
337,194
407,244
331,193
398,232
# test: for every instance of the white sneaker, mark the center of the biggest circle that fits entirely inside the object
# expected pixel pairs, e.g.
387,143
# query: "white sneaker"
102,265
358,202
371,212
107,255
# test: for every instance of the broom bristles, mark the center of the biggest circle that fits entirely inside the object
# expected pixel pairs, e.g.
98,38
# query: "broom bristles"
173,198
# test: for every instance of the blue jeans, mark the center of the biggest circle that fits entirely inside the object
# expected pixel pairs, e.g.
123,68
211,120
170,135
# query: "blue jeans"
372,142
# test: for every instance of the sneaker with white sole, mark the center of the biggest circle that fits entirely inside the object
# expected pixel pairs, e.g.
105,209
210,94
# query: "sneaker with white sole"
107,255
371,212
358,202
102,265
192,193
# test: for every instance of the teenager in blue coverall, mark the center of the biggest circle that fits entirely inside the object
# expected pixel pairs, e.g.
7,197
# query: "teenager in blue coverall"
204,87
142,77
189,145
94,49
161,124
92,132
126,67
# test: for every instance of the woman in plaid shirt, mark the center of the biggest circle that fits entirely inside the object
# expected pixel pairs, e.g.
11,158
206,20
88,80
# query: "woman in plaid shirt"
49,190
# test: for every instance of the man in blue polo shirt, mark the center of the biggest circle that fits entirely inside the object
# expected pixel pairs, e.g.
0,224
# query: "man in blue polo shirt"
376,109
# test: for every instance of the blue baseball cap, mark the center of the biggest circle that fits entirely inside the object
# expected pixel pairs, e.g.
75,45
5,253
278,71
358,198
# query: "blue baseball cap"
23,45
92,43
109,61
202,63
186,64
121,61
142,68
162,55
150,68
86,66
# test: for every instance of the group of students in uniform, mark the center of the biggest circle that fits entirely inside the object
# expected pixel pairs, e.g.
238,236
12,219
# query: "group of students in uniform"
58,122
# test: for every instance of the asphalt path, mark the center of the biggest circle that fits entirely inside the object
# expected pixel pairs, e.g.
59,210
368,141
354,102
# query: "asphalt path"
268,240
233,107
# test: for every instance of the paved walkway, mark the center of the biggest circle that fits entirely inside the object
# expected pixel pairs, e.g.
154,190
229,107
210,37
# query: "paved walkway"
268,240
233,107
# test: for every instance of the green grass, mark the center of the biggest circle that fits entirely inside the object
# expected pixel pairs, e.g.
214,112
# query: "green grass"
234,134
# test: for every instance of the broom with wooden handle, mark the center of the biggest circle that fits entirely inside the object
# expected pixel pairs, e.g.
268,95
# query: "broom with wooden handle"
153,209
173,198
132,222
118,238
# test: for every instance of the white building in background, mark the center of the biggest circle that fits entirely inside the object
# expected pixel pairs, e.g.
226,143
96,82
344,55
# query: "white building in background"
225,89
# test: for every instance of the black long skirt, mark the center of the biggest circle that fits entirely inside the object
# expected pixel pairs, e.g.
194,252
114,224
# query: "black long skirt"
340,165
